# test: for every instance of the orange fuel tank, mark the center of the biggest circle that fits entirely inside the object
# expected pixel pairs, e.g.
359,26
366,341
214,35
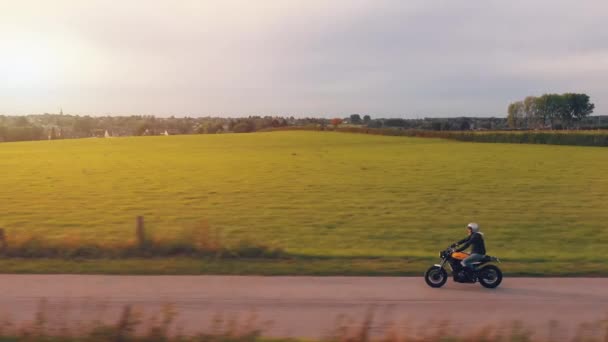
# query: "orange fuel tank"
459,255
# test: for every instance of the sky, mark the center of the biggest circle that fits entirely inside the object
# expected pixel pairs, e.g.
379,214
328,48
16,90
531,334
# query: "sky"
386,58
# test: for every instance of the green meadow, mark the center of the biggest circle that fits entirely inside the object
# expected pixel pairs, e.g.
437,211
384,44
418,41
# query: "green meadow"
317,195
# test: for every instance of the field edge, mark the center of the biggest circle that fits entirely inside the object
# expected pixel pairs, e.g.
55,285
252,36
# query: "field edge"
291,267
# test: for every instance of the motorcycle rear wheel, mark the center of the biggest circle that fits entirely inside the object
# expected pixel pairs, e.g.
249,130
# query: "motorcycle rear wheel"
490,276
436,277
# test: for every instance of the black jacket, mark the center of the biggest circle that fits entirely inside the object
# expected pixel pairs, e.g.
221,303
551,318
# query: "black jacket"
476,241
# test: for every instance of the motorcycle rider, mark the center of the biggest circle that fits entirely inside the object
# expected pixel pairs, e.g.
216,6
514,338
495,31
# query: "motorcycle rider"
478,247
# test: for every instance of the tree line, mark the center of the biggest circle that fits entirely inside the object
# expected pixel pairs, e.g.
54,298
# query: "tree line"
552,111
59,126
547,111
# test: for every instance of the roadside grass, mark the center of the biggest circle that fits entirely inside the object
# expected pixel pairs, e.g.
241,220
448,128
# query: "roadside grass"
196,243
322,198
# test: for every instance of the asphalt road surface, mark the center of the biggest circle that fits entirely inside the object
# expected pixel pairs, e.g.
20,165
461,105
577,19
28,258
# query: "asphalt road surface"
307,306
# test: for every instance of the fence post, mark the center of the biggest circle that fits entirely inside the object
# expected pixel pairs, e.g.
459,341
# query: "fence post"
2,240
140,232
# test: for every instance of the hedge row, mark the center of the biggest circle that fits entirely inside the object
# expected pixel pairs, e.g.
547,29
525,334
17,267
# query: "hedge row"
550,138
576,138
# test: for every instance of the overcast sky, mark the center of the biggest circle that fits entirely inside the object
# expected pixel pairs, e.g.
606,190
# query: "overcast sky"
304,58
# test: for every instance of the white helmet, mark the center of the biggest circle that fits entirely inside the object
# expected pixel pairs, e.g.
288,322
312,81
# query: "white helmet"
474,227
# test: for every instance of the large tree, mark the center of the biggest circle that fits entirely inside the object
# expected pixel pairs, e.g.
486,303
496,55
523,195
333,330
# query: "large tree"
578,106
549,110
530,111
555,106
515,117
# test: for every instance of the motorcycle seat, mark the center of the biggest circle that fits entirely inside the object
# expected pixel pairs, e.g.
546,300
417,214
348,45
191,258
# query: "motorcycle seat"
486,258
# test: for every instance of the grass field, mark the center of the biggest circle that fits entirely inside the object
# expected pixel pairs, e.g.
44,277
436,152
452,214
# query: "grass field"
316,194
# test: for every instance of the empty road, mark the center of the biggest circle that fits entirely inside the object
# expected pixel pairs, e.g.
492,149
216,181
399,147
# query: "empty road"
307,306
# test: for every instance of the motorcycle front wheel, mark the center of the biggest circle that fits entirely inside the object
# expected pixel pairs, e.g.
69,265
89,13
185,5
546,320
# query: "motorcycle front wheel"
490,276
436,276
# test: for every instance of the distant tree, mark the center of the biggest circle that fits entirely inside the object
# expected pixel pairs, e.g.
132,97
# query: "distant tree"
542,113
367,119
395,123
200,129
22,133
83,126
577,106
530,111
355,119
228,126
515,115
375,124
557,109
142,129
244,126
53,134
465,124
213,127
21,121
511,116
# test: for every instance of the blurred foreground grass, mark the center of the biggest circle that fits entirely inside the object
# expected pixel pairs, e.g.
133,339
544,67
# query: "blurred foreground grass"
130,325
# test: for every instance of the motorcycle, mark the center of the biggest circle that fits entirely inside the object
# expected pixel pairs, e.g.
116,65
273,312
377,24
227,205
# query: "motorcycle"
488,275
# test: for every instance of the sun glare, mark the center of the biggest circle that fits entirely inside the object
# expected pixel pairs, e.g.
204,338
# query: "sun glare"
26,63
